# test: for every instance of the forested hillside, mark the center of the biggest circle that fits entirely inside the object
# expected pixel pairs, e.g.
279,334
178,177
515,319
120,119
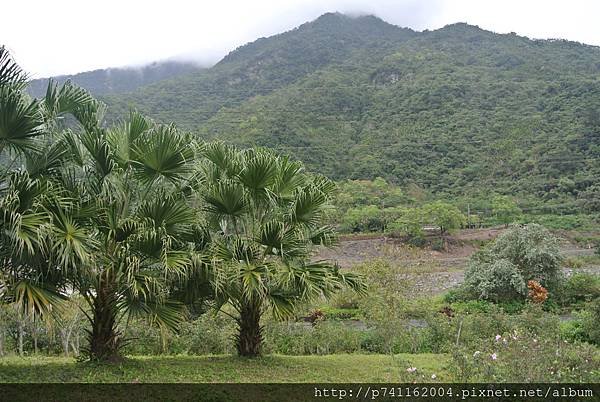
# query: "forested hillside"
118,80
456,111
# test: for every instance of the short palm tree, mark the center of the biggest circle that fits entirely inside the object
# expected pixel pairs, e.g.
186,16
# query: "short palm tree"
30,200
93,210
128,182
264,215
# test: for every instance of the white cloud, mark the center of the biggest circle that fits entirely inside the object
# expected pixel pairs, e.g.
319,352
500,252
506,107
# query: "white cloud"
67,36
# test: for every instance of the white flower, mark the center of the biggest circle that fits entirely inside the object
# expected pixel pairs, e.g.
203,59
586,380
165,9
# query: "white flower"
494,356
498,337
535,341
433,376
411,369
476,353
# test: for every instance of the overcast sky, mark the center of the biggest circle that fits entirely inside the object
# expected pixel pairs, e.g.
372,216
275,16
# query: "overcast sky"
68,36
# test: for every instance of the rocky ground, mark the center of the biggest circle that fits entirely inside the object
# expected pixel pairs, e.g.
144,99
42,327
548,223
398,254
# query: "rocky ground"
429,271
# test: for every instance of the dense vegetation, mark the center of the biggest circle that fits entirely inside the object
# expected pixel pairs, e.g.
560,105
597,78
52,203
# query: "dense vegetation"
456,111
138,220
130,237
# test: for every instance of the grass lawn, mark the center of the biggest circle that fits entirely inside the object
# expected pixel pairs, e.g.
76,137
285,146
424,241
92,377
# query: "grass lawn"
203,369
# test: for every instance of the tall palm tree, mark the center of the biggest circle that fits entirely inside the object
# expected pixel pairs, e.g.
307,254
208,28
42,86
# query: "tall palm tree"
264,215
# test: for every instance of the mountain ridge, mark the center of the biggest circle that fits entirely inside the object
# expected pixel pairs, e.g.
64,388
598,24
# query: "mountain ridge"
117,79
459,110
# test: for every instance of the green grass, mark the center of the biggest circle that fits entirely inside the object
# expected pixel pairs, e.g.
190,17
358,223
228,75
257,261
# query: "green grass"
206,369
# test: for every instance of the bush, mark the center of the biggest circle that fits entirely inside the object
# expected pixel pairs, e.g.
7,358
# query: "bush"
472,306
589,323
501,270
458,294
333,313
517,356
573,262
498,281
323,338
585,325
579,288
208,334
409,224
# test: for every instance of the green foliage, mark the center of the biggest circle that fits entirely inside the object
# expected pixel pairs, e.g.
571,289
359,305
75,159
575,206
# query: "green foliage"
377,192
265,215
322,339
456,111
409,224
589,323
589,199
501,270
525,354
208,334
505,209
499,280
444,216
580,288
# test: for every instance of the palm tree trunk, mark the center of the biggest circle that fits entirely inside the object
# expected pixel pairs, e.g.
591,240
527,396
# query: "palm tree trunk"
21,333
104,337
35,342
249,339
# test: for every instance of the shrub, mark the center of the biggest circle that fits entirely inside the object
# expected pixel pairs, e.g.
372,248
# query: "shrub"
591,327
500,271
323,338
333,313
208,334
443,215
472,306
578,288
584,327
409,224
458,294
573,262
537,293
517,356
497,281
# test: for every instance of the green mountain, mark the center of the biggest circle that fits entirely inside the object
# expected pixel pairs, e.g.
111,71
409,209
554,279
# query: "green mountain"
458,111
118,80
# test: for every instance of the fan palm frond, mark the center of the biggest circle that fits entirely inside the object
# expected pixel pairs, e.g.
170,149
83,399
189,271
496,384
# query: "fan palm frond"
10,72
20,120
161,153
33,298
259,170
290,177
307,206
226,198
67,98
123,137
225,158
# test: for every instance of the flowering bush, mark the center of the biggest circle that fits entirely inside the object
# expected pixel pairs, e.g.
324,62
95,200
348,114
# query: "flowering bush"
524,357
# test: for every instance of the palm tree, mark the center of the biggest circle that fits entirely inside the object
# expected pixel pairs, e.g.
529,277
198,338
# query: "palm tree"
30,200
264,215
90,210
129,188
